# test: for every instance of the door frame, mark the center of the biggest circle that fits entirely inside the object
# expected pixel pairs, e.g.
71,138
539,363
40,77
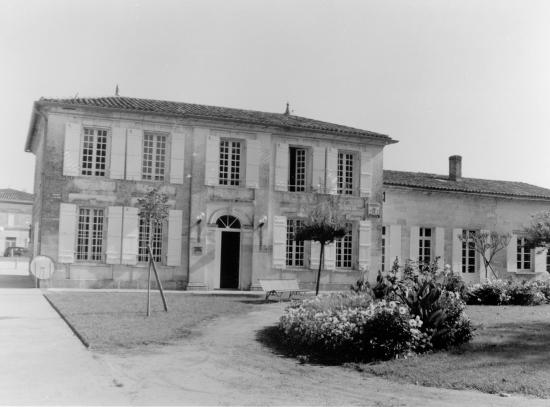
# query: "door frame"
218,256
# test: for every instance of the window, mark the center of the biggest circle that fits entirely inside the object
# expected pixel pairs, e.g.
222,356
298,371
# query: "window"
154,157
523,255
10,242
294,249
468,252
94,152
425,245
90,234
345,173
230,162
344,250
156,241
383,248
297,170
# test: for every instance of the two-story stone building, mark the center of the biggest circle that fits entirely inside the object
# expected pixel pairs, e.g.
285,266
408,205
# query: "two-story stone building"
239,182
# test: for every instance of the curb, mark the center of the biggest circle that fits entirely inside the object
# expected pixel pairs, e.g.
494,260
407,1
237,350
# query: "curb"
75,332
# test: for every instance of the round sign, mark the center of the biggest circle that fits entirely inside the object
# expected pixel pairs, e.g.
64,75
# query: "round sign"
42,267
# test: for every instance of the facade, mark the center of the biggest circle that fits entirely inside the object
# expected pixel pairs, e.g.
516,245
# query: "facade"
15,218
425,213
239,182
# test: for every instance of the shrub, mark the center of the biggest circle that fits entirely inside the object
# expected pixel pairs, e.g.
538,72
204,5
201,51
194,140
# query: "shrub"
488,293
522,293
500,292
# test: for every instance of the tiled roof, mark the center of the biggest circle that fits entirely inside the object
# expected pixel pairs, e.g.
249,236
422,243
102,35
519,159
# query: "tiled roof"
9,194
286,121
467,185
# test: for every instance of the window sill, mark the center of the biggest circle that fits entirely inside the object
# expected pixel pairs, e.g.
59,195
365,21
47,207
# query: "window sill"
526,272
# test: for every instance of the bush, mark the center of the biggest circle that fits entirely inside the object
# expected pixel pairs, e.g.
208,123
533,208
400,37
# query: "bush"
488,293
525,294
499,292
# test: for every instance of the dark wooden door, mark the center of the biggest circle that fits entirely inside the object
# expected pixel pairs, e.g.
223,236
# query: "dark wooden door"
229,264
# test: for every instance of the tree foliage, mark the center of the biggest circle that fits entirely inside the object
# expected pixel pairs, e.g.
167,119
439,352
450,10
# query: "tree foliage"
537,233
153,207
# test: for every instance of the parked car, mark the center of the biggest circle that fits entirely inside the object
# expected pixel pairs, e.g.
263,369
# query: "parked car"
15,251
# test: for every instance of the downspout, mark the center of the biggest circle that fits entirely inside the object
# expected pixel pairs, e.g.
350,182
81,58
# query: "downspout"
190,202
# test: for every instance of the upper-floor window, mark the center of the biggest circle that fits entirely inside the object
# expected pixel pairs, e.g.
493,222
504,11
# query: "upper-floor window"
345,173
145,238
425,245
294,249
344,250
297,169
523,255
468,251
230,162
383,265
154,157
94,152
89,245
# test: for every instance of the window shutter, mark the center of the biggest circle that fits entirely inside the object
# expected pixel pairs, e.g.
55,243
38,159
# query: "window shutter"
457,251
134,154
440,246
71,149
279,242
318,176
118,153
314,253
177,156
114,234
212,161
393,243
330,256
365,182
281,167
511,255
253,164
331,184
67,230
364,244
130,236
175,226
540,259
414,243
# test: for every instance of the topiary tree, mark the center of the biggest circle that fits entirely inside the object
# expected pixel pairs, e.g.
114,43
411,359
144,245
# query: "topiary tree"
324,224
153,208
487,244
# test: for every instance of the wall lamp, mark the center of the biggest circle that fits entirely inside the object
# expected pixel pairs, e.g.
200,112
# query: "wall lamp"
200,217
261,223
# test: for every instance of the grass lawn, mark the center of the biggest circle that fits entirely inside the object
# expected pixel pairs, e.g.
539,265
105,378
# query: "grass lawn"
116,321
510,353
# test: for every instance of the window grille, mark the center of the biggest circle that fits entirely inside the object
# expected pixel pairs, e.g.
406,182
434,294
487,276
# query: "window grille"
90,234
523,255
156,241
230,162
345,173
297,170
94,152
344,250
425,245
294,249
154,157
383,265
468,251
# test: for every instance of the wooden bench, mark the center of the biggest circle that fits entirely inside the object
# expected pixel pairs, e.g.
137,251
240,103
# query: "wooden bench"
278,287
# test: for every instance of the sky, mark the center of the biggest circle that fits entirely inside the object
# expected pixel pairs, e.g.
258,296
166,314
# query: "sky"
442,77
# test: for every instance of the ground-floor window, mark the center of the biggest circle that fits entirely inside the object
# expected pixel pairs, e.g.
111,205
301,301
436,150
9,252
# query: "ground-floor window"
10,242
425,245
156,240
344,250
383,265
468,251
89,244
294,249
523,255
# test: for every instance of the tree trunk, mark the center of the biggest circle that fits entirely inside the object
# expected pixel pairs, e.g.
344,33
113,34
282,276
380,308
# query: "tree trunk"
320,267
149,267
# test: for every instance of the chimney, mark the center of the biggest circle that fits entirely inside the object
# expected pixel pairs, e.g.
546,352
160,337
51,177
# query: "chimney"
455,168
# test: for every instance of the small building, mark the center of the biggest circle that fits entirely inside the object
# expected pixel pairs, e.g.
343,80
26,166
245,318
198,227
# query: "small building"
15,218
424,215
239,183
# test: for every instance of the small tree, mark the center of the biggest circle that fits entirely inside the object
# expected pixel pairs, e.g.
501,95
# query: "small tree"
487,244
153,208
324,224
537,233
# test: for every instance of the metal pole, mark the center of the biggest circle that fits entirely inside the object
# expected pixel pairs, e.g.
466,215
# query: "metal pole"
149,288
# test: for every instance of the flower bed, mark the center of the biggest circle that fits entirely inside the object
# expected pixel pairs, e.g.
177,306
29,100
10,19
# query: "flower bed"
507,292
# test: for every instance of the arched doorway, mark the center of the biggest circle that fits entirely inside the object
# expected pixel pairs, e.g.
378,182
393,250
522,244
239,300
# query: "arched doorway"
230,251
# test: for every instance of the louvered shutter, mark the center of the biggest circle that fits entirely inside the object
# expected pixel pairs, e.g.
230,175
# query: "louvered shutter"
279,242
67,230
314,253
440,246
175,227
212,161
331,183
540,259
330,256
394,244
253,164
130,236
118,153
177,157
281,167
71,149
134,154
457,251
318,175
365,181
511,255
114,235
364,244
414,243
